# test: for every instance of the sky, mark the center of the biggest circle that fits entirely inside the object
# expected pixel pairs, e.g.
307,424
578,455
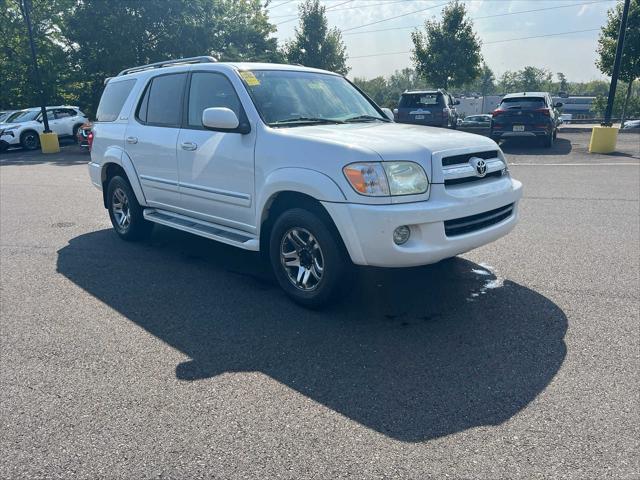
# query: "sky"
371,28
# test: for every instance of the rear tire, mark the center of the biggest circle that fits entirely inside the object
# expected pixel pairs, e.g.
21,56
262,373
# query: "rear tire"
548,140
308,260
125,212
30,140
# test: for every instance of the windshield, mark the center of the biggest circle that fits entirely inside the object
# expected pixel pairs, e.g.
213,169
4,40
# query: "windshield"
289,98
23,116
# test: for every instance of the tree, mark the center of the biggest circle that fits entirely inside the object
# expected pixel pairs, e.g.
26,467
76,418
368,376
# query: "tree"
529,79
386,91
562,79
155,30
315,44
632,107
607,42
447,53
16,74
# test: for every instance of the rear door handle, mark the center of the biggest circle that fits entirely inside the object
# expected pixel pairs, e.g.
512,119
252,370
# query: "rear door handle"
132,139
190,146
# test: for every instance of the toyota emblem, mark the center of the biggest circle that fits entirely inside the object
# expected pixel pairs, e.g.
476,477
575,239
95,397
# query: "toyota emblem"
479,165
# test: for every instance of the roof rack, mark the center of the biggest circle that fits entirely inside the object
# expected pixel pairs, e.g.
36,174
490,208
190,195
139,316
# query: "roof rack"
167,63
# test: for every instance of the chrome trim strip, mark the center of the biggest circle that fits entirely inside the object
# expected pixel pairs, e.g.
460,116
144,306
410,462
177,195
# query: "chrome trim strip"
158,180
217,191
467,170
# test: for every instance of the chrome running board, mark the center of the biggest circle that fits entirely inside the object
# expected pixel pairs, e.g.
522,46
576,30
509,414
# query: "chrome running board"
213,231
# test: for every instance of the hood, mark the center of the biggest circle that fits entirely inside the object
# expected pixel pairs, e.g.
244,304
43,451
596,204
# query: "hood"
393,141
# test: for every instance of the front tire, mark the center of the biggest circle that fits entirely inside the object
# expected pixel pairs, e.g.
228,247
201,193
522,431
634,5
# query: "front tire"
307,258
30,140
125,212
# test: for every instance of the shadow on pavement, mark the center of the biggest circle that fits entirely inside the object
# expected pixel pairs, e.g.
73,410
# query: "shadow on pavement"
533,146
414,354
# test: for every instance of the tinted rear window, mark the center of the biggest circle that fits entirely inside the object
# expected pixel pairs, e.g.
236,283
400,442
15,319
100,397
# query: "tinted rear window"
522,103
418,100
113,98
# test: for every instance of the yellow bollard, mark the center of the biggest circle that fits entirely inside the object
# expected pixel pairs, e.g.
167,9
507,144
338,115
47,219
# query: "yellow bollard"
603,139
49,143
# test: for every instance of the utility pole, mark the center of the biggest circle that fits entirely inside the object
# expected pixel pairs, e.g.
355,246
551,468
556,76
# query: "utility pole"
25,4
616,64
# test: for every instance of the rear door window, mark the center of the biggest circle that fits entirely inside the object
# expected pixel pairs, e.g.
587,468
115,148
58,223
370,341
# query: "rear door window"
420,100
162,101
113,98
522,103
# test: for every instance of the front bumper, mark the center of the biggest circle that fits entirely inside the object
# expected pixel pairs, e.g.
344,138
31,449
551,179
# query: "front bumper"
511,134
9,138
367,230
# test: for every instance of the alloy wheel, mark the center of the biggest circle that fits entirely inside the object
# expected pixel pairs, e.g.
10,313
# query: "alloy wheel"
120,208
302,258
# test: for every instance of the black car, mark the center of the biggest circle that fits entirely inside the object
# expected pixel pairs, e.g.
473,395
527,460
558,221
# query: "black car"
476,123
528,114
435,108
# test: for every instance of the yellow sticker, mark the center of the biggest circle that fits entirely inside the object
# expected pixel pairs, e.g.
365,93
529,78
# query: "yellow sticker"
250,78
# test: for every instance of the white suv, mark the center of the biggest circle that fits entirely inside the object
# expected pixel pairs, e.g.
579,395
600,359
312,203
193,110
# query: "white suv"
25,126
295,162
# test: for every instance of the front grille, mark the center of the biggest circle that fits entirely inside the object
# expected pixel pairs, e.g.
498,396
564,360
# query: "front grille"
457,181
458,159
472,223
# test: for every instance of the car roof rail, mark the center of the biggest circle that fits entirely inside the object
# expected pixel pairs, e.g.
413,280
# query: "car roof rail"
168,63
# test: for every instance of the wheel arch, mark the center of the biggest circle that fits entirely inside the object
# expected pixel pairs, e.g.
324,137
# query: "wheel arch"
118,162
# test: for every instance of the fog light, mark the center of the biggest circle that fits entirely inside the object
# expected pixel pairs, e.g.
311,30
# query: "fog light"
401,235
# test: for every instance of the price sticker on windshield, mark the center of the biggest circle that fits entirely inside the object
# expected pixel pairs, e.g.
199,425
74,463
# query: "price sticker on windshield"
249,78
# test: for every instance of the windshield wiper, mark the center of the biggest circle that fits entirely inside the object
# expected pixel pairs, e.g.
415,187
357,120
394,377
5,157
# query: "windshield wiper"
305,120
366,118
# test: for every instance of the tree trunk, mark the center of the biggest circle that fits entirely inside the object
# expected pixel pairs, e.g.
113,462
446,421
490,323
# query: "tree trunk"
626,102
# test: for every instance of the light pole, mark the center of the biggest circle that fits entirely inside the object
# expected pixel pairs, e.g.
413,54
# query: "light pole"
616,65
36,73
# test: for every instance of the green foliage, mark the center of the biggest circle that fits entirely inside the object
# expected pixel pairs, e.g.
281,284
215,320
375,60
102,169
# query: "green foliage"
447,53
529,79
315,44
16,74
484,84
633,108
81,42
386,91
562,82
607,42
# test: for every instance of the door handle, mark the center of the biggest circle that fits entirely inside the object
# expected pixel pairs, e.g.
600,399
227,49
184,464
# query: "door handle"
132,139
190,146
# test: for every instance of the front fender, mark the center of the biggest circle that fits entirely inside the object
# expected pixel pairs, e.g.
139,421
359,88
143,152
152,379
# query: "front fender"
119,157
301,180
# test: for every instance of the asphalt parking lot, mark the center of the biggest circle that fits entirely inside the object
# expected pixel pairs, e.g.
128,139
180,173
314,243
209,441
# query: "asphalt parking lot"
181,358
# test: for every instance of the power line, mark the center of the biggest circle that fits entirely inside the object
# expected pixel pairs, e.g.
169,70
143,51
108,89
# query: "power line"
487,43
328,9
334,9
393,18
280,4
486,16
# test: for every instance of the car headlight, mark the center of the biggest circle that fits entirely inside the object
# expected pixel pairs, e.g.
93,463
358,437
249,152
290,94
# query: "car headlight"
381,179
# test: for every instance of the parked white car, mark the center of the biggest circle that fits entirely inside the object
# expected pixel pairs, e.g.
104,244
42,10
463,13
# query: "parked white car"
294,162
25,126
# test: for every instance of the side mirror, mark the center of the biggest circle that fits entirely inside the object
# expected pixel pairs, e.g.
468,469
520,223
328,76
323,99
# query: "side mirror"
388,113
559,104
220,119
456,102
